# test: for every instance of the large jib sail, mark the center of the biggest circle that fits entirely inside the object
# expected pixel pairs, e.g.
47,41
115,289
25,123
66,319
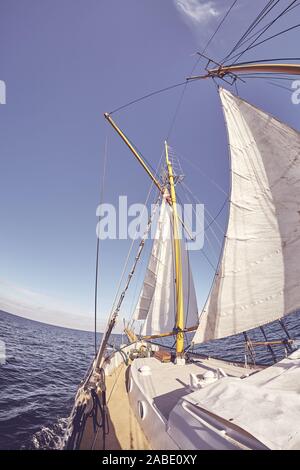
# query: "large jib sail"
258,279
157,301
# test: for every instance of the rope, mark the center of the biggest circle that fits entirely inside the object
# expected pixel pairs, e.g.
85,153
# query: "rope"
96,395
270,349
249,348
148,95
122,353
79,418
284,327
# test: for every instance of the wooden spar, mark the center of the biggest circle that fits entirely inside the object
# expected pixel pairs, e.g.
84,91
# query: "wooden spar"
222,70
178,262
133,150
170,333
293,69
141,161
130,335
272,342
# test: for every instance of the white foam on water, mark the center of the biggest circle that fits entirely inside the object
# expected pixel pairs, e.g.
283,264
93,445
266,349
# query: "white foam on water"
51,437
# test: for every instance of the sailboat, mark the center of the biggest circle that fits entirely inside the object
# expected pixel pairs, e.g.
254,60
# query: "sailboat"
145,396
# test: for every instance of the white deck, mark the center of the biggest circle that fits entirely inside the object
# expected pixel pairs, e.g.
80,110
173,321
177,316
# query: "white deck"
169,382
247,409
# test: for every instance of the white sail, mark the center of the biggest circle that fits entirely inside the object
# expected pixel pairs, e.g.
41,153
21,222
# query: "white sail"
258,280
157,301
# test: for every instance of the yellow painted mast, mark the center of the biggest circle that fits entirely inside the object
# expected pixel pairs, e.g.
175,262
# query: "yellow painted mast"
178,262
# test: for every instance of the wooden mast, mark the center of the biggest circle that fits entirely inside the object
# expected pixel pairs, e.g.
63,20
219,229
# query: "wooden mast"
178,263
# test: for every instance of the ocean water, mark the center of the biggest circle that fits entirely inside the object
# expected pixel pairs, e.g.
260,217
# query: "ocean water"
45,364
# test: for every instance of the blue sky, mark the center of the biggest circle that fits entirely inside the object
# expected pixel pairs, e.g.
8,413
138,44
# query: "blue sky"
64,63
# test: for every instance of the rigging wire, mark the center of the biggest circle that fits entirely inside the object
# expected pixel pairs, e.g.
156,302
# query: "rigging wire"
270,76
148,95
134,301
180,101
267,39
116,307
210,243
217,215
183,186
135,295
214,251
266,79
280,86
219,26
210,224
204,174
98,248
128,257
132,244
184,84
194,67
237,56
253,25
259,30
214,268
115,312
215,254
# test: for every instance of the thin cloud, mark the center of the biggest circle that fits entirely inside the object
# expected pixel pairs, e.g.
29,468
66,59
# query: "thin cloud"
197,11
37,306
43,308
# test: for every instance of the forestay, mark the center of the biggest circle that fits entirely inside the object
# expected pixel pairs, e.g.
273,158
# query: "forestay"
258,277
